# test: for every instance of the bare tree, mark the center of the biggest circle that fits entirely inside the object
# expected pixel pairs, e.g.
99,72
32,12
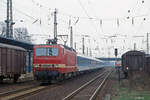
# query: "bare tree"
2,29
22,34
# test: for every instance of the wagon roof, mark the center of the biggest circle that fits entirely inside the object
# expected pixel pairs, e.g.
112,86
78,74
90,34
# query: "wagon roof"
134,52
11,46
147,55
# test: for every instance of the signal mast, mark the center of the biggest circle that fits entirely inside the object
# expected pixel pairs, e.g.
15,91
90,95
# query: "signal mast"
54,40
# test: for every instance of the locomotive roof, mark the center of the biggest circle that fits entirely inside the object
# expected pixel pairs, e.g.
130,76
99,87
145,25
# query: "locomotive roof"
66,47
11,46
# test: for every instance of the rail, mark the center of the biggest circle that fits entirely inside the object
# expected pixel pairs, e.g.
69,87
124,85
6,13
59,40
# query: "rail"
22,93
71,95
99,88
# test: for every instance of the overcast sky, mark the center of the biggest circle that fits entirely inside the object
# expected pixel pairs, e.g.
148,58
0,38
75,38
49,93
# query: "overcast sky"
109,23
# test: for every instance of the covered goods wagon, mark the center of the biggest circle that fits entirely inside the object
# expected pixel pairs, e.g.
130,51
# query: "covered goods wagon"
133,61
12,61
147,64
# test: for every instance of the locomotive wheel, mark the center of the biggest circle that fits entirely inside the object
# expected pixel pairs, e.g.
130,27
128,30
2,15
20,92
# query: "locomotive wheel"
71,74
74,74
67,75
78,73
63,76
59,77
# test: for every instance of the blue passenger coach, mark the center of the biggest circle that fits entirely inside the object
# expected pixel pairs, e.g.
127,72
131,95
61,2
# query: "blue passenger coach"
88,63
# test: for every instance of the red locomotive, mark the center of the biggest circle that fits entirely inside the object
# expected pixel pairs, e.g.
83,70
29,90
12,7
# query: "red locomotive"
53,61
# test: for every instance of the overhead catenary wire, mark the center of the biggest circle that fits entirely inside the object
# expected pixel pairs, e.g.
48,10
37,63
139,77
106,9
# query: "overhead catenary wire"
93,18
87,14
96,18
83,8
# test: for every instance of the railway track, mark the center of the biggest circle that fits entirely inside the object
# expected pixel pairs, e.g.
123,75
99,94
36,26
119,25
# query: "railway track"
22,93
10,83
36,90
13,87
89,90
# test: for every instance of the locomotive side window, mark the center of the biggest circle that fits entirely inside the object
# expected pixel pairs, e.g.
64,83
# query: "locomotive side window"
63,51
52,51
40,52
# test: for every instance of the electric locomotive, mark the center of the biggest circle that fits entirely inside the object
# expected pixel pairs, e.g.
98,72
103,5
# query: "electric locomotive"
53,61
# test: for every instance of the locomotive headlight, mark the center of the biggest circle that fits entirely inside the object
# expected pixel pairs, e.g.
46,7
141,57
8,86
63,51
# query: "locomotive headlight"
127,68
56,65
36,65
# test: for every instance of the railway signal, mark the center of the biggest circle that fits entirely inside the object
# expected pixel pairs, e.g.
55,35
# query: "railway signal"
117,67
116,52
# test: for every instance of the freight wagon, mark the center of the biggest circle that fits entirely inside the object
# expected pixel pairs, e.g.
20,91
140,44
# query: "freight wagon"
147,64
12,62
133,61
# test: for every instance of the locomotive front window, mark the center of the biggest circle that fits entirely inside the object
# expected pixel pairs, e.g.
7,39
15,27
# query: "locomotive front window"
46,51
52,51
40,51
